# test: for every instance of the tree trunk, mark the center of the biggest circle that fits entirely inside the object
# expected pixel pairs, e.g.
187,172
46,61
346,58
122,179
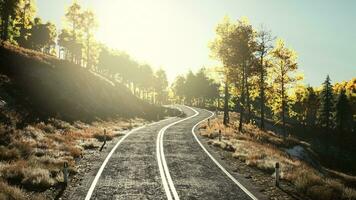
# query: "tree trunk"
242,100
248,104
5,30
226,104
262,95
88,50
283,109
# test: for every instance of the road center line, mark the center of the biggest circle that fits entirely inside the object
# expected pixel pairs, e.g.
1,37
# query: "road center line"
215,161
162,164
93,184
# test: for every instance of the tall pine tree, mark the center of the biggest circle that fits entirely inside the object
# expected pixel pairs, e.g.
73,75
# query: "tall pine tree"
343,115
326,105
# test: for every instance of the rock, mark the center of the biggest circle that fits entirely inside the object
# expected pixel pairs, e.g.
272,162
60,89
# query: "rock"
229,147
300,153
248,177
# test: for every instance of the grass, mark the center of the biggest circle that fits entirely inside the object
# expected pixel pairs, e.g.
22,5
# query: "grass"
32,158
262,149
11,192
54,111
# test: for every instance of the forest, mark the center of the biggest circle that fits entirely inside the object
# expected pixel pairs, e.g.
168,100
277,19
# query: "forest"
88,92
76,43
259,78
259,74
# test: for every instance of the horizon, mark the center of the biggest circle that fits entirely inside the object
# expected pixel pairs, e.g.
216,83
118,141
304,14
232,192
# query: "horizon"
177,51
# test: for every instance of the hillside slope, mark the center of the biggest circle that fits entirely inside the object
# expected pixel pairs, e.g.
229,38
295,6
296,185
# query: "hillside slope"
50,87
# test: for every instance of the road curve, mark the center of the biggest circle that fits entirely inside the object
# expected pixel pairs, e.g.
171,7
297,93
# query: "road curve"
195,172
164,160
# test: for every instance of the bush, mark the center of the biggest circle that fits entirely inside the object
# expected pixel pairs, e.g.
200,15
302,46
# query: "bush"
33,178
48,128
24,147
73,151
59,124
9,154
90,146
37,179
349,194
8,192
101,137
305,178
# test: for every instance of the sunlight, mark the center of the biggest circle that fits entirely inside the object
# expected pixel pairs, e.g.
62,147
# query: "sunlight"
139,99
150,31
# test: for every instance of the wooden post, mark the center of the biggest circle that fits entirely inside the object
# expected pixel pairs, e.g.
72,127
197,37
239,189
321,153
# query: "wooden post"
209,122
102,146
277,173
65,173
219,135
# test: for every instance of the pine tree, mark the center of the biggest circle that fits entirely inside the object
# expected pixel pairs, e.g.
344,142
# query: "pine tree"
9,10
283,72
326,105
312,105
343,114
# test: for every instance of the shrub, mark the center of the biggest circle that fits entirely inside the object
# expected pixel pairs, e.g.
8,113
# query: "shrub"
90,146
101,137
73,151
8,192
349,194
24,147
33,178
48,128
37,179
59,124
9,154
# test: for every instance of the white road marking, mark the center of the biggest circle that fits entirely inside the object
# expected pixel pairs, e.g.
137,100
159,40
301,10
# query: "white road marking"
93,184
162,164
215,161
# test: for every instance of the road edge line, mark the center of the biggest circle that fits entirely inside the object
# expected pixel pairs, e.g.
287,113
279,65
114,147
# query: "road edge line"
101,169
215,161
162,160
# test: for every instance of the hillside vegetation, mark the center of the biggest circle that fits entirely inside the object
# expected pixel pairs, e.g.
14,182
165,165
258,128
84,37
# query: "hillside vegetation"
299,164
54,112
50,87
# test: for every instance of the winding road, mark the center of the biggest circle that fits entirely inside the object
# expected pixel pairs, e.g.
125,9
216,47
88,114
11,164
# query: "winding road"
166,160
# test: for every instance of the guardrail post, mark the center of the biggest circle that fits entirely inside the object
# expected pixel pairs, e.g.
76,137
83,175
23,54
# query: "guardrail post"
277,174
102,146
65,173
219,135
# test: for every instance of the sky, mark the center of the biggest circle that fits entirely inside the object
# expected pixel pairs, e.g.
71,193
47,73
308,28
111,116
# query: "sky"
174,34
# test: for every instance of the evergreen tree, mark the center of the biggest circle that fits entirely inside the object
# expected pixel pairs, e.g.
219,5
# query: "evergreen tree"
311,105
178,88
343,114
9,10
26,15
88,24
326,105
160,86
42,36
263,48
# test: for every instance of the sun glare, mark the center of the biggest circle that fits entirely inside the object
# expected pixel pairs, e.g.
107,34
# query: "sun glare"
142,30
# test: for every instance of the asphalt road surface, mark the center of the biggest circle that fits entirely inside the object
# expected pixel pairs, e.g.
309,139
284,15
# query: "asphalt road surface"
166,160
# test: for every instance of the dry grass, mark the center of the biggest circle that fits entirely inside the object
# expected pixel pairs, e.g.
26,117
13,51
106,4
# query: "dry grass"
8,192
261,149
32,158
